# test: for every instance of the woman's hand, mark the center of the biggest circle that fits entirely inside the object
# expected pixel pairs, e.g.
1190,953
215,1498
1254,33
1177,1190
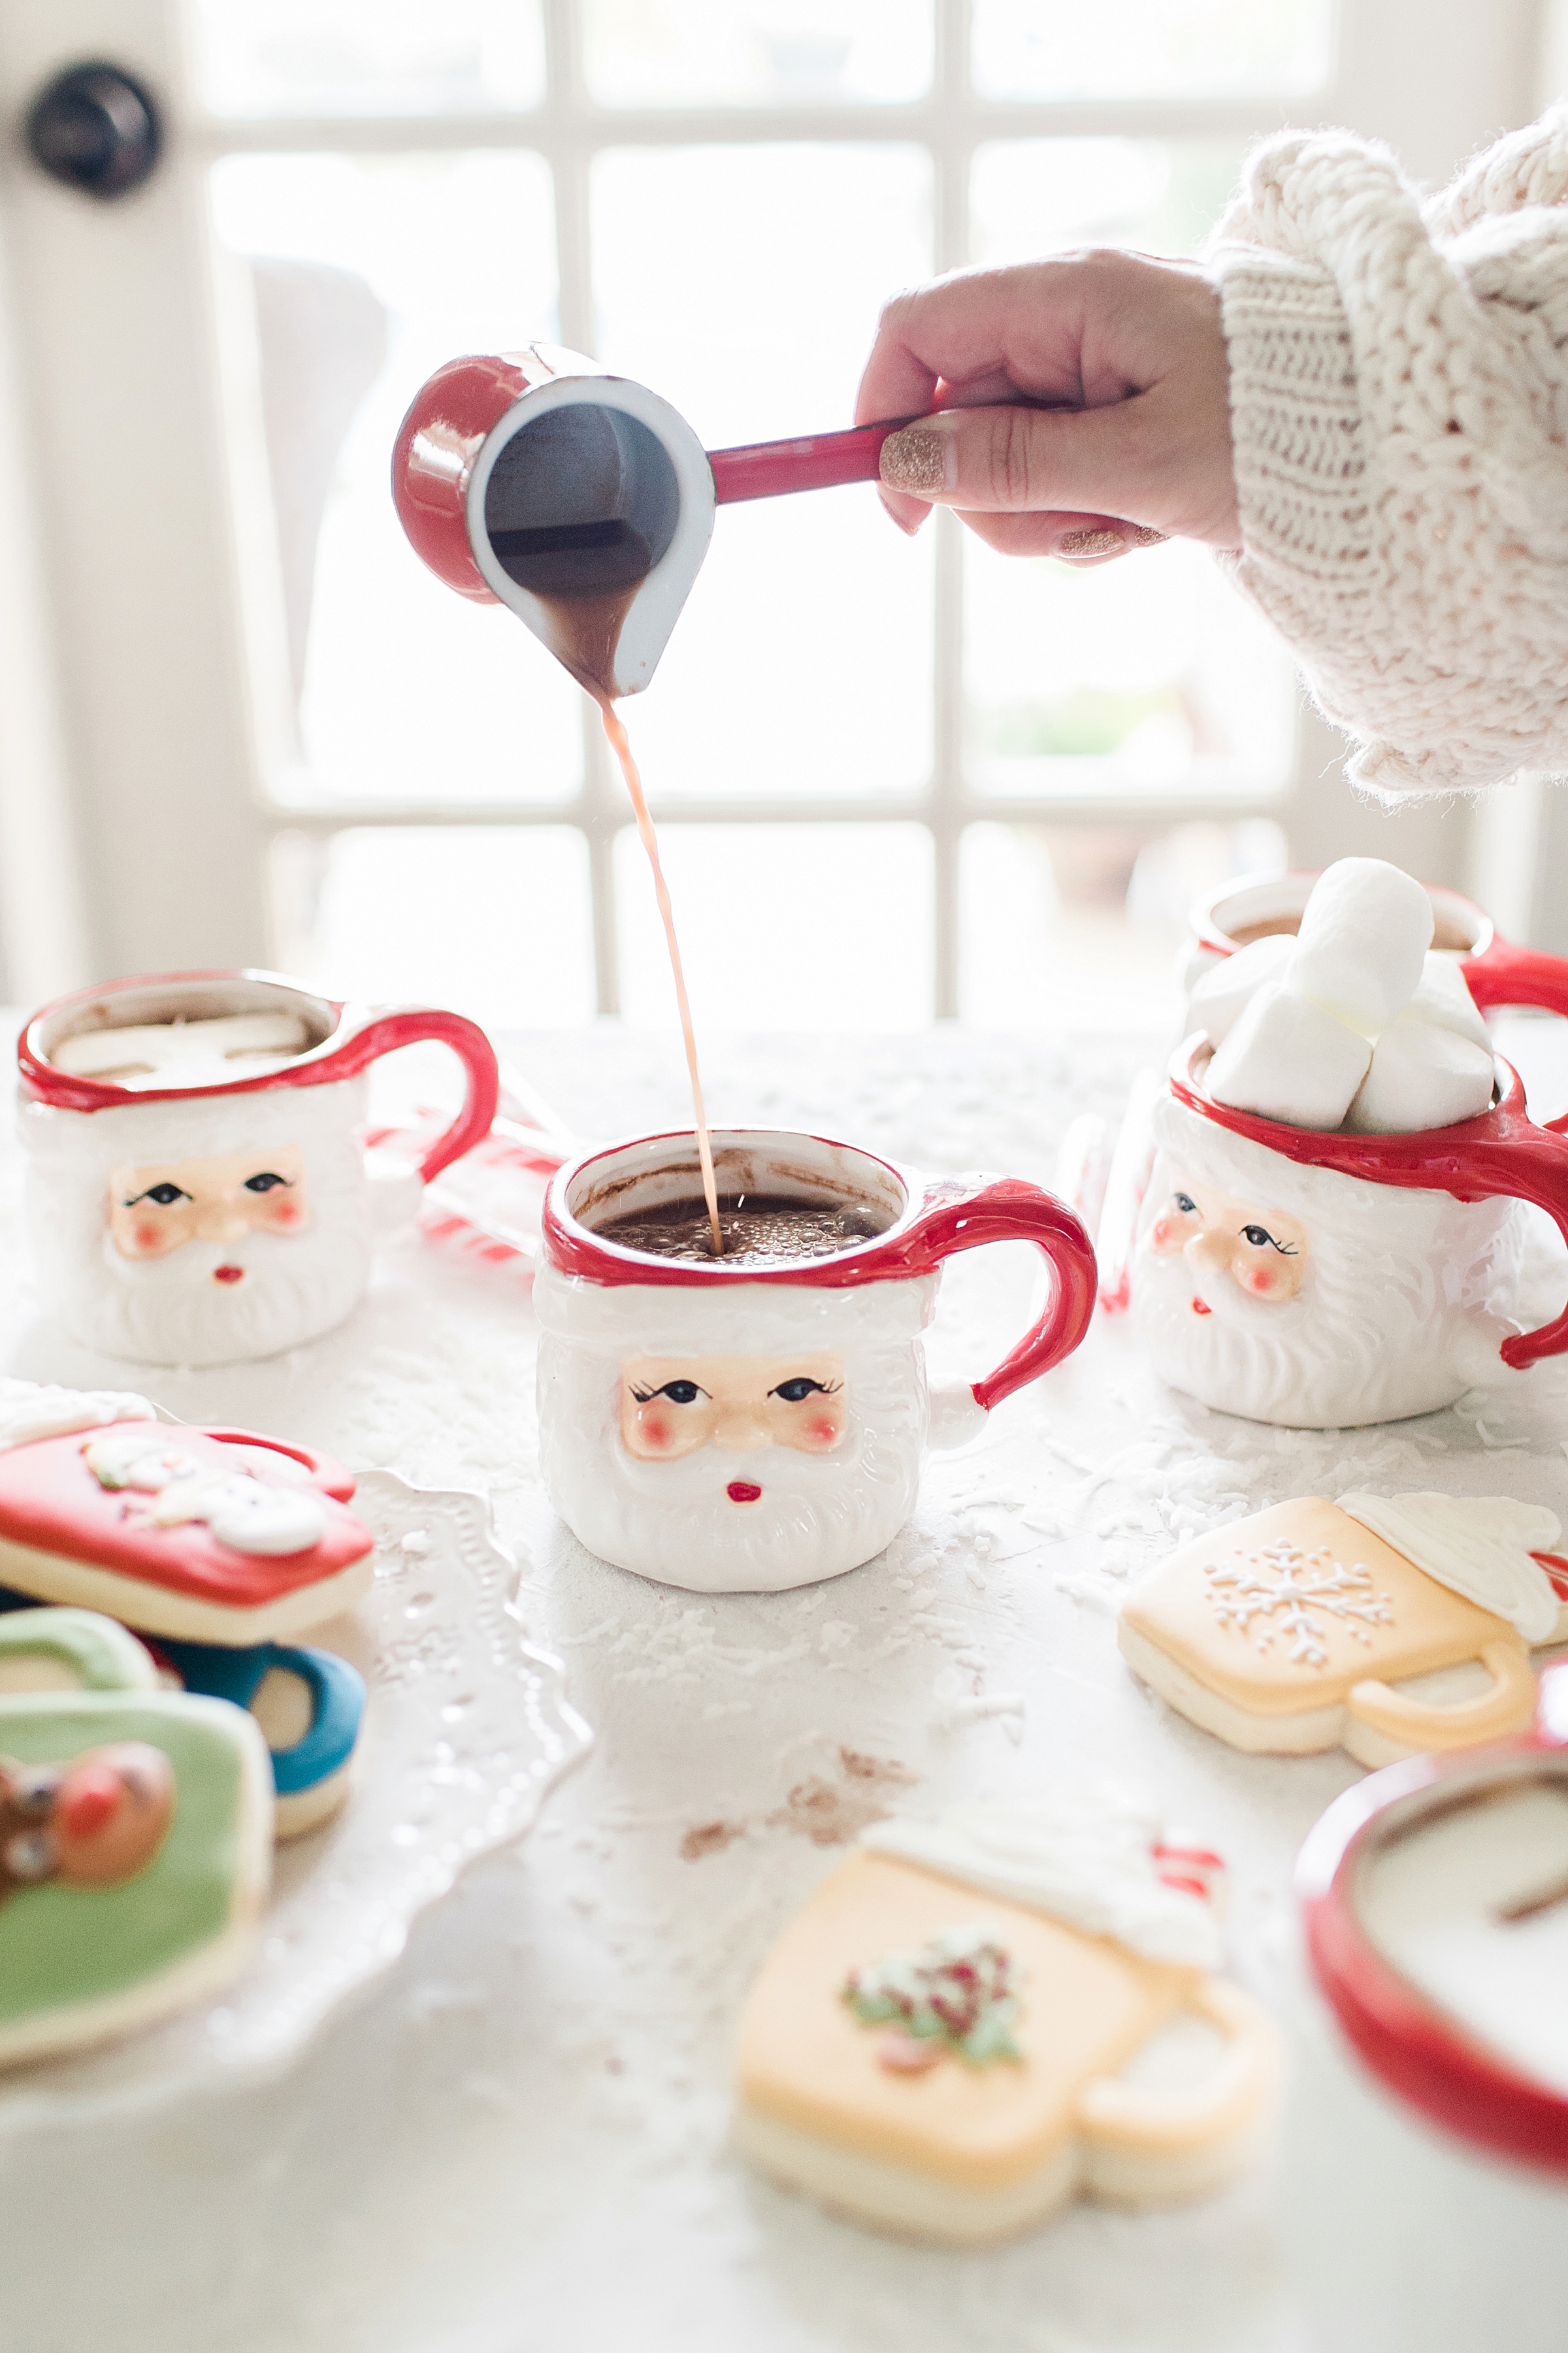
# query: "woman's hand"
1084,406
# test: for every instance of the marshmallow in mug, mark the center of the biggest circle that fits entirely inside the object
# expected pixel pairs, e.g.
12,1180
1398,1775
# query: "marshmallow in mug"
1355,1022
202,1230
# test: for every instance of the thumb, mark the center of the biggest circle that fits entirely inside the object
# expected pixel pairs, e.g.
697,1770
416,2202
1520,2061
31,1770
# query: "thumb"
996,461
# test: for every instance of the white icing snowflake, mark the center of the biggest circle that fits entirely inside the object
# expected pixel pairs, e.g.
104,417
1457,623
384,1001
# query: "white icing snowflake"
1284,1588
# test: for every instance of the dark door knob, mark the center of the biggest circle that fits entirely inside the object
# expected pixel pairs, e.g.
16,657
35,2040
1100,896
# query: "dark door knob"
95,128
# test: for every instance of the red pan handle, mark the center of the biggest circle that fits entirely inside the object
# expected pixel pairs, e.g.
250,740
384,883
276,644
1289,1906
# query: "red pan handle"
766,470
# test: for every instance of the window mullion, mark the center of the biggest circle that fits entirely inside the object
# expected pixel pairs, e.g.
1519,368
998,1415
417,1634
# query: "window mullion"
570,159
950,197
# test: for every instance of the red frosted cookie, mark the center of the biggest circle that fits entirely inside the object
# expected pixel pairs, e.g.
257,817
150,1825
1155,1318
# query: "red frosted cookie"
205,1535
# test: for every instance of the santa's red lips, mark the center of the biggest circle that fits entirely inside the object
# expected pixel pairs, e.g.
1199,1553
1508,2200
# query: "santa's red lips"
228,1274
742,1491
1200,1309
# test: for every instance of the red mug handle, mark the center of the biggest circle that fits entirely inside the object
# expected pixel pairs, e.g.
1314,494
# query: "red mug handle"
1505,974
411,1025
1516,1159
325,1471
965,1213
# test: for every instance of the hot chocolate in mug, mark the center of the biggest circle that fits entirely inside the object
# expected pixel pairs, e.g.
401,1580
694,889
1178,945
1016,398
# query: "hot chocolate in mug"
1257,907
749,1427
1327,1280
197,1192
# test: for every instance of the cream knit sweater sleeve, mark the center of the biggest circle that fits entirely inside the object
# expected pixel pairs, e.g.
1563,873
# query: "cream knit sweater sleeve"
1399,403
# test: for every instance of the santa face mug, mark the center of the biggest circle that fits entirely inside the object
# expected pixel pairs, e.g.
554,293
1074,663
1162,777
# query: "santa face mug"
749,1427
1327,1280
197,1190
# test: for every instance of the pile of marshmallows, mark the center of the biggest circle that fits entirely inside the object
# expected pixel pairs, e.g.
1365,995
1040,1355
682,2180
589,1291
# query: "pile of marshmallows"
1355,1023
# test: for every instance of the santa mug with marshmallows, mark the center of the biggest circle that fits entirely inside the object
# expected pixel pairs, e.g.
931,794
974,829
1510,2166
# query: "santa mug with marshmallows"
1324,1280
197,1193
749,1427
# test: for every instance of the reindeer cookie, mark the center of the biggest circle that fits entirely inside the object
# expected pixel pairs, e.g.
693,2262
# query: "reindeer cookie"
946,2041
1384,1624
135,1851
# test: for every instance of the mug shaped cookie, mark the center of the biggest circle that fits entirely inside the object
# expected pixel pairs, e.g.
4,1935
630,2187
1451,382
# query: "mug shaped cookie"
69,1651
89,1952
1303,1626
971,2150
205,1535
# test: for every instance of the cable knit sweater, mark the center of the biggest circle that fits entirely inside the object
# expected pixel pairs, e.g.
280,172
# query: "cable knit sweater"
1399,403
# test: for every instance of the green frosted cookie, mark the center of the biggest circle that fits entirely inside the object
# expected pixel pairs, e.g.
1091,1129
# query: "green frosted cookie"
70,1649
135,1855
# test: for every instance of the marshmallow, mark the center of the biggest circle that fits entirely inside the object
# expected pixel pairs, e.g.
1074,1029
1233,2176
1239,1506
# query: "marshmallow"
1286,1058
1421,1076
1218,997
1364,939
1444,997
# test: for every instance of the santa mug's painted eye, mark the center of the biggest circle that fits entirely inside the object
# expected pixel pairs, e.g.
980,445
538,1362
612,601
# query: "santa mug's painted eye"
796,1391
1186,1203
1260,1238
165,1195
678,1392
265,1182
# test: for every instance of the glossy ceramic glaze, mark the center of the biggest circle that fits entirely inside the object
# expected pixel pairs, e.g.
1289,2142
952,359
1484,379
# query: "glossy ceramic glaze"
736,1514
130,1184
1374,1276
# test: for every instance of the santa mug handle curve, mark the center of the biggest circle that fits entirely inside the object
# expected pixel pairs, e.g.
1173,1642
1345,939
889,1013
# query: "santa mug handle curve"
1503,1155
965,1213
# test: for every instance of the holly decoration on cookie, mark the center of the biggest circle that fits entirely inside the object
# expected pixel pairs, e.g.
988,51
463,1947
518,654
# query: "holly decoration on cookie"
954,1992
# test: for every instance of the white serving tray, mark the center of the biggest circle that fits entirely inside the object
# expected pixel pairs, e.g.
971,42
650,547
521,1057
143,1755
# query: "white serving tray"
468,1729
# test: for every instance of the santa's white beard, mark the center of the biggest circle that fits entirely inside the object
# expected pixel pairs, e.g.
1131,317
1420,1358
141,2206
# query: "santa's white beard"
817,1515
174,1311
1360,1343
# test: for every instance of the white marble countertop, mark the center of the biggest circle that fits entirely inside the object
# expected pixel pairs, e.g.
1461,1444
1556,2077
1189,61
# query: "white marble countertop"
518,2139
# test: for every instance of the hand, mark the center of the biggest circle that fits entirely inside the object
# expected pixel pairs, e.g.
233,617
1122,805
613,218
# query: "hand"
1126,436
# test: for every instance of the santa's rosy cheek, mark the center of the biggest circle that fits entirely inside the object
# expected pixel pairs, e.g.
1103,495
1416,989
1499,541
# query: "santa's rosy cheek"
656,1431
826,1432
1163,1234
146,1235
285,1214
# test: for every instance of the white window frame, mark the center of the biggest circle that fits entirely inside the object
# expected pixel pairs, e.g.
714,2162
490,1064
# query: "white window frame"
149,766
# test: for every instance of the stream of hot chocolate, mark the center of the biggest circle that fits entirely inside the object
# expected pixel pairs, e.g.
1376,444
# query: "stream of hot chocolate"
620,743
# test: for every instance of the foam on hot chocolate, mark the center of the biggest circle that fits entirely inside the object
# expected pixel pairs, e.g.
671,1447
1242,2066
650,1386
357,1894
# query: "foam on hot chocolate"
200,1053
1356,1024
759,1228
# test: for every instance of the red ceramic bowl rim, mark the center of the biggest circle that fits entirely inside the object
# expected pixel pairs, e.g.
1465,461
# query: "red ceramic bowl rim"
1409,2042
577,1249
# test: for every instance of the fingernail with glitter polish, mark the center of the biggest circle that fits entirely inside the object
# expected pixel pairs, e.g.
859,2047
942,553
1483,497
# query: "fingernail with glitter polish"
919,461
1142,536
1077,545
